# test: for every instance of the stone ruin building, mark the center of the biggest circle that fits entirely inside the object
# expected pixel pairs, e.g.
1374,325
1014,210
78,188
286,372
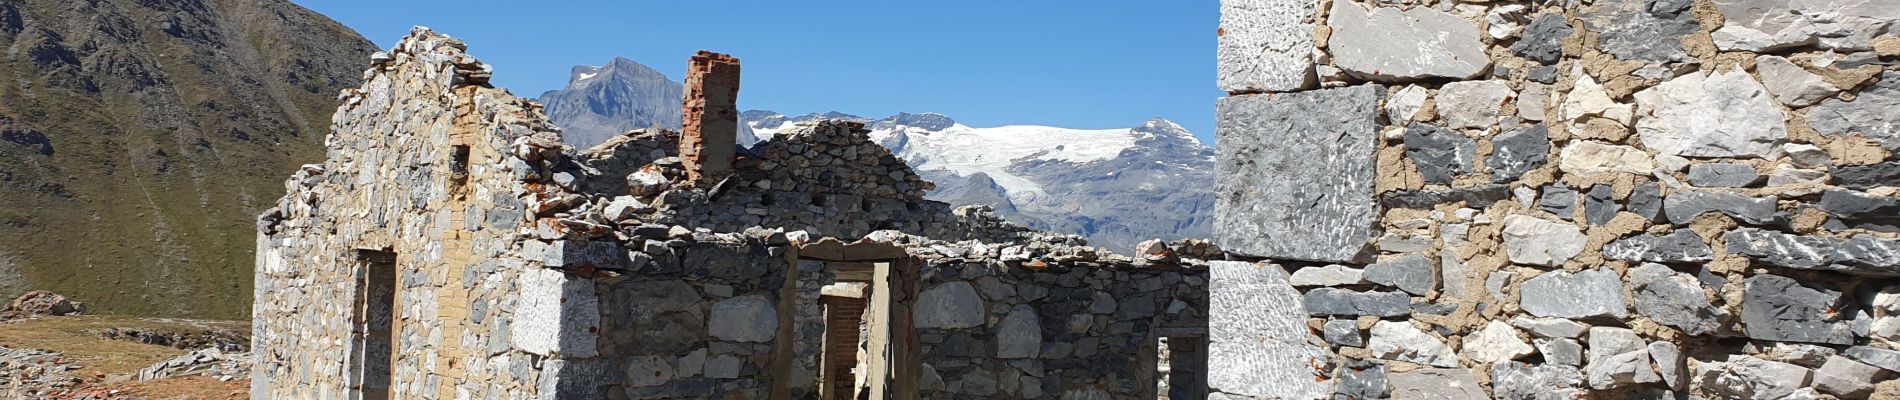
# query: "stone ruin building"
452,247
1605,199
1671,199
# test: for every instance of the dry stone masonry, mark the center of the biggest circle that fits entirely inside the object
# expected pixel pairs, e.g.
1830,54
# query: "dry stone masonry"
453,247
1557,200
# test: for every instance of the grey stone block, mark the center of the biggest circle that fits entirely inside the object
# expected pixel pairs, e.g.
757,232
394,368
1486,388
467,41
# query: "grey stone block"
1649,30
1518,152
1543,39
1266,45
949,306
1387,44
1674,299
1344,332
1441,155
1436,383
1331,301
1256,330
1863,177
1781,309
1413,274
1861,254
1682,207
1584,294
1726,175
1516,380
1681,246
1296,170
1870,114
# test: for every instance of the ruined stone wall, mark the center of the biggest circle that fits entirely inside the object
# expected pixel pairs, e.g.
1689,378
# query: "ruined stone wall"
826,178
1038,321
1604,199
431,165
694,318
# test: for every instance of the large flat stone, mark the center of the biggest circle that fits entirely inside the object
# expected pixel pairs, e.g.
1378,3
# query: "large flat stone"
1019,335
1863,177
1535,241
1726,175
1846,378
750,318
1436,383
1516,380
952,305
1648,30
1794,86
1584,157
1473,104
1870,114
1674,299
1684,206
1861,210
1518,152
1758,25
1861,254
1266,45
1391,45
1543,39
1296,173
1745,377
1782,309
1496,342
1413,274
555,314
1400,341
1720,114
1344,302
1257,335
1681,246
1586,294
1440,155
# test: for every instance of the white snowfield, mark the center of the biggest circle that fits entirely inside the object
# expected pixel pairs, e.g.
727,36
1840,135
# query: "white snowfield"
963,150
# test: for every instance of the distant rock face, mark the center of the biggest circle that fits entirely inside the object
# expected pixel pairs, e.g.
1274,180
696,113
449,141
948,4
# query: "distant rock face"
604,101
138,141
1387,44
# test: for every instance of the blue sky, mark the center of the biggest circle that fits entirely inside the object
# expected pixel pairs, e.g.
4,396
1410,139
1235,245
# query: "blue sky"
1070,63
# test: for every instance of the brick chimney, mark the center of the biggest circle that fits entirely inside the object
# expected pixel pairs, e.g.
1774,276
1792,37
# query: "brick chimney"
711,133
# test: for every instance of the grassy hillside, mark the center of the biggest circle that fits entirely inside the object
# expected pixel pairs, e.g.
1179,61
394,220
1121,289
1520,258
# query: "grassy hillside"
139,139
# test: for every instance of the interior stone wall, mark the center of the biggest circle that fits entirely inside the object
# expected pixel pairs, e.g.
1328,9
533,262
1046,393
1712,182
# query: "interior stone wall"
699,319
991,329
1596,199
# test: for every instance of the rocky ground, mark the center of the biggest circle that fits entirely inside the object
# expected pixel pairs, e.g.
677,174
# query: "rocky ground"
50,350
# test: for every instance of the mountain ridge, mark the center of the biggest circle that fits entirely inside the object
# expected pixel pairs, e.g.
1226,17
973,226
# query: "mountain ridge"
1115,186
139,140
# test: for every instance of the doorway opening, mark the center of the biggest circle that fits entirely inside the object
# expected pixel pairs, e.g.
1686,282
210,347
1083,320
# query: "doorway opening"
1181,365
373,330
857,332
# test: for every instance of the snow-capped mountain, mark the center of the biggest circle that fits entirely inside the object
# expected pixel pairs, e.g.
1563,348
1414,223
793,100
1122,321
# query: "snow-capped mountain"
602,101
1115,186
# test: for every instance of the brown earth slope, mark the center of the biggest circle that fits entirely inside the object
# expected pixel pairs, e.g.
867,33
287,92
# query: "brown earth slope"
140,138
